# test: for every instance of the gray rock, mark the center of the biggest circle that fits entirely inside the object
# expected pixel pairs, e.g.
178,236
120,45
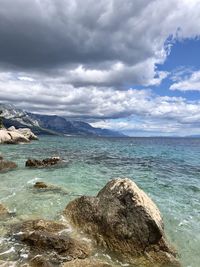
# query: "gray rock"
123,219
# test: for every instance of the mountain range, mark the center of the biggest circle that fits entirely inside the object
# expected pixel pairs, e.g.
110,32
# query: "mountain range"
51,124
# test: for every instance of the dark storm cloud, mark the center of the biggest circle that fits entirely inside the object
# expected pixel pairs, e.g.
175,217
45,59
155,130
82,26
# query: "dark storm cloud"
48,33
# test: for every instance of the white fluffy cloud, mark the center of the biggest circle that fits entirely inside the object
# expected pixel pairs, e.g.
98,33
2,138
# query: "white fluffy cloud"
97,102
191,83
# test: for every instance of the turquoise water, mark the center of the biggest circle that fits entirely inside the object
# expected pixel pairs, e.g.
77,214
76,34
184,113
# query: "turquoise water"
168,169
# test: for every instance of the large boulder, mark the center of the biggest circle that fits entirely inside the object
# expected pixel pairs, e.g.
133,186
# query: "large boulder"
51,240
16,136
123,219
35,163
6,165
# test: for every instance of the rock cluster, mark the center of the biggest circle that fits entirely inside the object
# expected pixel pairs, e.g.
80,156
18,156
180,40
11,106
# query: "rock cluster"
16,136
123,219
35,163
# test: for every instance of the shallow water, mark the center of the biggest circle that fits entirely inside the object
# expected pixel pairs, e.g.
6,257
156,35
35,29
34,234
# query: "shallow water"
168,169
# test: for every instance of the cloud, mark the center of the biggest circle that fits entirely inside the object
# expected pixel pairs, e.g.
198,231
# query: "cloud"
80,59
188,83
93,102
145,128
105,43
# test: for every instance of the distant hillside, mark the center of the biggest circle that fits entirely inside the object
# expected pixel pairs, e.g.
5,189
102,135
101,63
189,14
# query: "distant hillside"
51,124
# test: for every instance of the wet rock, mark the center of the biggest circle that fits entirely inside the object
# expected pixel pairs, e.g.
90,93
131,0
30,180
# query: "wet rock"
7,165
35,163
43,187
39,225
123,219
40,185
86,263
40,261
49,239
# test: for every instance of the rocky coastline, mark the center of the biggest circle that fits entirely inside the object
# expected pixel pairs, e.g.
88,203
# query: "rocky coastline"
121,221
16,136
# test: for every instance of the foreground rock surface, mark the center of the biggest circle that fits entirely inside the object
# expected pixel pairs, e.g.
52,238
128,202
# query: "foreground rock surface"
6,165
123,219
35,163
49,239
16,136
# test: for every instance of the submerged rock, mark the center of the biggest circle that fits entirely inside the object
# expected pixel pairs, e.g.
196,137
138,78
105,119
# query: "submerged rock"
49,239
35,163
86,263
123,219
40,261
43,187
6,165
40,185
3,210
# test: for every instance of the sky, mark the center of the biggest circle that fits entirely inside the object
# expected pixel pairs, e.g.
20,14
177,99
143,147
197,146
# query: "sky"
127,65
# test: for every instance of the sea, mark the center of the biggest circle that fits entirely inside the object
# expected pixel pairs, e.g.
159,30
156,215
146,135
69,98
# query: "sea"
167,169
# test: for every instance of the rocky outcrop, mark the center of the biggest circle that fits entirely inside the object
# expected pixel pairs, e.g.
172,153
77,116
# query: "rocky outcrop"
35,163
16,136
6,165
49,239
27,133
123,219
